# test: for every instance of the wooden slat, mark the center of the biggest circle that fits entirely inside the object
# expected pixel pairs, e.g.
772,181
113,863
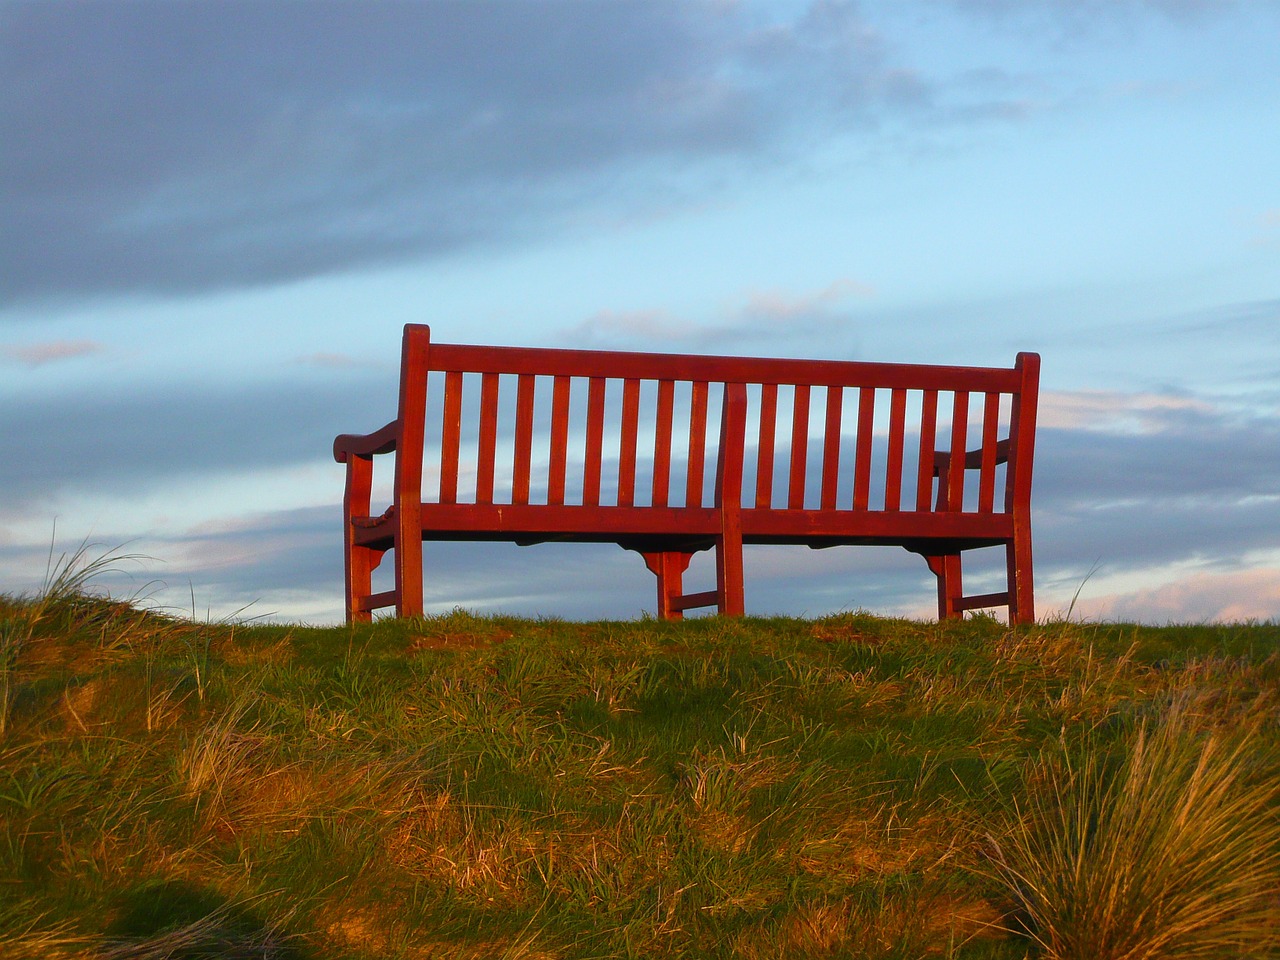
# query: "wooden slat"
799,446
524,439
990,434
627,452
893,469
657,366
450,437
662,443
697,444
559,440
959,436
764,449
607,524
862,458
928,435
831,447
377,600
594,442
488,437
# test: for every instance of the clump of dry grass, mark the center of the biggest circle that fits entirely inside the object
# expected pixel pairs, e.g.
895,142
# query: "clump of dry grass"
1172,853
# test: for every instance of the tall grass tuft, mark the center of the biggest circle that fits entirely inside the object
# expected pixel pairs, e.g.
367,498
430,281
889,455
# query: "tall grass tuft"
1171,851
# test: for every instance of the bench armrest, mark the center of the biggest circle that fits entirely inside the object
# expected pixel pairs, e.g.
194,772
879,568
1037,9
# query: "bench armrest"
366,445
972,458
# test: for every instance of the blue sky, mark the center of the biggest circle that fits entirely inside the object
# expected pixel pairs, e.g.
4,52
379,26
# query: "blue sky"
217,217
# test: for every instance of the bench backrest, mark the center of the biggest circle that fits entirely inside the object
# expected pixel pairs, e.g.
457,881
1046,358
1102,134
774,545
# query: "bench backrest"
526,425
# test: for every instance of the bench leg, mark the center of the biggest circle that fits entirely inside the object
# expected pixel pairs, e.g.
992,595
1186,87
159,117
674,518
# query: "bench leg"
359,562
729,566
1021,585
408,561
946,567
669,567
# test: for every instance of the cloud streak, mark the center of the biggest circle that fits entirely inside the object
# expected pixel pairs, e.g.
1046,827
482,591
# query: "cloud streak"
54,351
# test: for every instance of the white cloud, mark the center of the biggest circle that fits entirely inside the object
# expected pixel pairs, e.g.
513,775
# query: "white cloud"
1117,412
814,321
1192,598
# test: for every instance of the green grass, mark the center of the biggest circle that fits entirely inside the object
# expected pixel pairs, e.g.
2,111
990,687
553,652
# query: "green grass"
465,786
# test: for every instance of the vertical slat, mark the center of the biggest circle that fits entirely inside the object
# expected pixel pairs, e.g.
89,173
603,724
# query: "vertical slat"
764,449
559,440
524,439
662,443
862,458
595,442
959,436
987,475
733,428
488,437
928,435
897,431
451,436
799,446
697,444
627,453
831,447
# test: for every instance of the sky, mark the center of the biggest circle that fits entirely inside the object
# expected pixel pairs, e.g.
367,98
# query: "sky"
217,217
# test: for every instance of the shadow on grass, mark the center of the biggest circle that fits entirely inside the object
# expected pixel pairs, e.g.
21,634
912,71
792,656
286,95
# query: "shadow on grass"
177,920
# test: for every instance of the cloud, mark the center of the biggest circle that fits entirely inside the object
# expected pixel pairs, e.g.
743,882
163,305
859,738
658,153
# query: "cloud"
1117,412
1079,16
162,147
779,322
341,361
55,351
131,442
1195,598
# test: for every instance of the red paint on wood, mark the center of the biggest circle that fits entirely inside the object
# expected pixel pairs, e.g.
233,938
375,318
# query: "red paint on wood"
524,439
488,437
697,444
764,448
559,440
662,443
897,438
928,432
990,441
667,536
450,437
627,452
831,447
595,442
799,446
862,459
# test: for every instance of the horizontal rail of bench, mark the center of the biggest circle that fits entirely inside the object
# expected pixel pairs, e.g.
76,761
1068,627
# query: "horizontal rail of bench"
524,522
537,361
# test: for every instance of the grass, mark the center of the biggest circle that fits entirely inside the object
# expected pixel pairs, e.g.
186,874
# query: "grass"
465,786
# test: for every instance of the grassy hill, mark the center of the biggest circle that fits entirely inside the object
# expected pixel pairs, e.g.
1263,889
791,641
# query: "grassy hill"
463,787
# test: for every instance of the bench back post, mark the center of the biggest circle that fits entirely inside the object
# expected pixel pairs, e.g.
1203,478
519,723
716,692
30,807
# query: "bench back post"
1022,439
415,351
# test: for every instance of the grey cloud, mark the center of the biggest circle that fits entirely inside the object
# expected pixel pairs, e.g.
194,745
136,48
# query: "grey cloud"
164,147
1204,487
138,440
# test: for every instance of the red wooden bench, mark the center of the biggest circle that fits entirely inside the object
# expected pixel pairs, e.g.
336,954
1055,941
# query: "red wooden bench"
534,445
